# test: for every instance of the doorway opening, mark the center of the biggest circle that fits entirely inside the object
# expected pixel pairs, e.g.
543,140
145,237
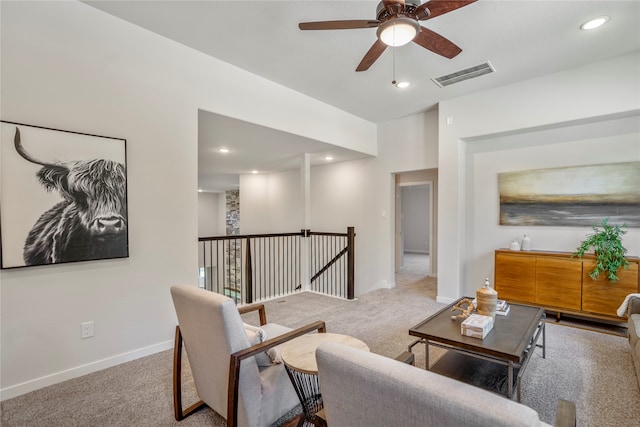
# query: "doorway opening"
415,246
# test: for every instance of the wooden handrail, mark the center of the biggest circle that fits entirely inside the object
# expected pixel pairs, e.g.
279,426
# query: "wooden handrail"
249,236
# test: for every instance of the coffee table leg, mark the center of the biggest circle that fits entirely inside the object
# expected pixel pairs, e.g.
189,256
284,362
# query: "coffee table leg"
544,340
510,379
426,354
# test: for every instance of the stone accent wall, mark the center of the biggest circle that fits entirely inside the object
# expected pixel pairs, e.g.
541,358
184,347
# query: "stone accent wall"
233,257
233,212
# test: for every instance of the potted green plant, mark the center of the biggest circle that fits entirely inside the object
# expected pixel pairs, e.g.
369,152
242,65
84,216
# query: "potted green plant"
606,242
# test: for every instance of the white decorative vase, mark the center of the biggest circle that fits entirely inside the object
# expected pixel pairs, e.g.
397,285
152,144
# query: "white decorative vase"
526,243
515,246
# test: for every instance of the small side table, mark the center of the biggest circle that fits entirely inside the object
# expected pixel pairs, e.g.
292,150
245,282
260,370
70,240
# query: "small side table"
299,357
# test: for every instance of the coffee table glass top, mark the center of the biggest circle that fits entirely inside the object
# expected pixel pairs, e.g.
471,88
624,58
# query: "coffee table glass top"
508,340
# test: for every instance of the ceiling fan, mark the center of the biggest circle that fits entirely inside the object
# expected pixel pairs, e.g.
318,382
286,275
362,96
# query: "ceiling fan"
398,24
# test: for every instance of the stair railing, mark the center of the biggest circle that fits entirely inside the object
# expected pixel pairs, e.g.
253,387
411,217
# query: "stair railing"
256,267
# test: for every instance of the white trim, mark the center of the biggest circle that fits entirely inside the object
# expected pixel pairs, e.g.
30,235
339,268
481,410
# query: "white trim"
332,296
445,300
78,371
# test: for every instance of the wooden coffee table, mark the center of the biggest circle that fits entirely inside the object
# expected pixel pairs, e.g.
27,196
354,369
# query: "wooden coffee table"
482,362
299,357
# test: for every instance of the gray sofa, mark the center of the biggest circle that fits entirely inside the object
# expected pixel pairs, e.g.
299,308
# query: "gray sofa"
634,331
362,389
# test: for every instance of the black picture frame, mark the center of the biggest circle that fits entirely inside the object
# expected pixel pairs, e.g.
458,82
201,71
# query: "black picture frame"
63,196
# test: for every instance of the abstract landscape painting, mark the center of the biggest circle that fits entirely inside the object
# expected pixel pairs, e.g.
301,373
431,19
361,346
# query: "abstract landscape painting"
571,196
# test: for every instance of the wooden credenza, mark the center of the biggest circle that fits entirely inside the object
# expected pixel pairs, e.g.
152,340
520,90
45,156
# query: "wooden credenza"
560,283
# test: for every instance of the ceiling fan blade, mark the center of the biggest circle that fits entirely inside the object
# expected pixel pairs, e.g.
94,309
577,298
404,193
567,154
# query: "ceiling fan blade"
371,56
339,25
439,7
436,43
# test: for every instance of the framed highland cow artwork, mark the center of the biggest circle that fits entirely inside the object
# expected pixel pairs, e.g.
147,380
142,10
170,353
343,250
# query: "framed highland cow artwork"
63,196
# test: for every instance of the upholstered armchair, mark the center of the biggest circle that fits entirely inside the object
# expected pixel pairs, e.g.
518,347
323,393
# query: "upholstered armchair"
234,365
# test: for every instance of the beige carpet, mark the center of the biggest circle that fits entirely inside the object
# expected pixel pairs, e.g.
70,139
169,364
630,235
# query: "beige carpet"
593,369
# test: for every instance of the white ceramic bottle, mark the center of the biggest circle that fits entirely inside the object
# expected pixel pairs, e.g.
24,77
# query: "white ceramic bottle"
526,243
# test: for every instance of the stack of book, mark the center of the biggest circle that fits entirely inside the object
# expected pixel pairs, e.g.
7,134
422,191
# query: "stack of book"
476,326
502,308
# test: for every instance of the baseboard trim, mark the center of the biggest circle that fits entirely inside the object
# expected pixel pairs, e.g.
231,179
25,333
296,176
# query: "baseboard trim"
78,371
445,300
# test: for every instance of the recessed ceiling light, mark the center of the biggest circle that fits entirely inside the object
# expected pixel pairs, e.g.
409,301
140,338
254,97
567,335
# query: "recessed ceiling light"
403,84
254,171
328,158
223,150
594,23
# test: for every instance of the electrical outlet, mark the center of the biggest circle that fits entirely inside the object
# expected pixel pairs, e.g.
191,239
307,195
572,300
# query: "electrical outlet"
86,330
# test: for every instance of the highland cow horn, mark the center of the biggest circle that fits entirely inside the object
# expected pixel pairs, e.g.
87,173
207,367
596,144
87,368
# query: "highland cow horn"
20,149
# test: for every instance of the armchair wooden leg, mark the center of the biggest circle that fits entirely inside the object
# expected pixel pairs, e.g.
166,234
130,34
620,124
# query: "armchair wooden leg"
177,382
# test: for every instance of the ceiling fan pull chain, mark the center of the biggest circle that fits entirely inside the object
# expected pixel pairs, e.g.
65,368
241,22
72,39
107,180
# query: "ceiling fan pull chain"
393,55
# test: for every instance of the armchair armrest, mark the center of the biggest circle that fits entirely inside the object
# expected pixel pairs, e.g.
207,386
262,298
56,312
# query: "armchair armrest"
565,414
237,357
178,412
255,307
634,306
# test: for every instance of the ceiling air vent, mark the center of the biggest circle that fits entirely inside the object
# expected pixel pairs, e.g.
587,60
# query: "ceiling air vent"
466,74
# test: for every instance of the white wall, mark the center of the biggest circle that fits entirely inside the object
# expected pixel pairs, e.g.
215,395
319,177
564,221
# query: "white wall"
271,203
486,159
69,66
415,210
357,193
361,194
417,178
285,202
209,214
254,203
558,102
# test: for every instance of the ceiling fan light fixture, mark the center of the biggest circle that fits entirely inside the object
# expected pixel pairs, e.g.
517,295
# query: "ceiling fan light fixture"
398,31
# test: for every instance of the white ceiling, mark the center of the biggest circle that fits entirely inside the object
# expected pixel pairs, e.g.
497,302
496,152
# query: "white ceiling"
253,147
522,39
